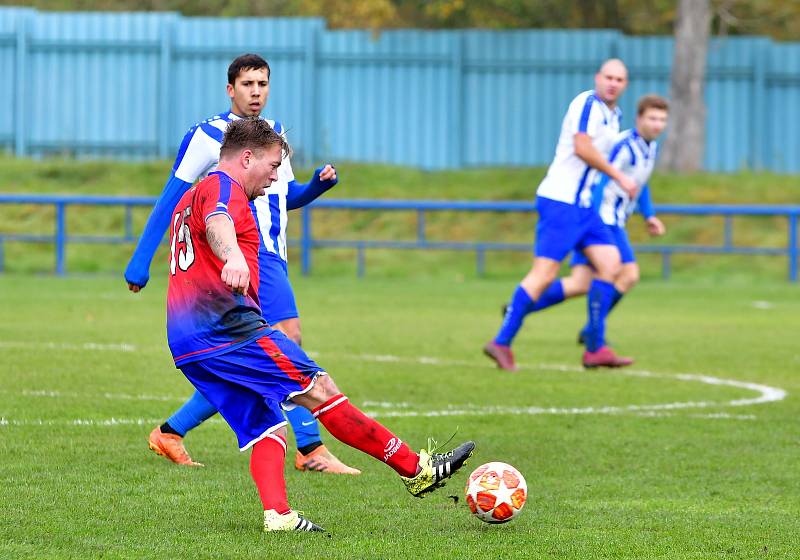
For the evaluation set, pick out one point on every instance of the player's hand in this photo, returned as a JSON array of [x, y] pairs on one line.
[[328, 173], [135, 288], [236, 274], [656, 227], [628, 185]]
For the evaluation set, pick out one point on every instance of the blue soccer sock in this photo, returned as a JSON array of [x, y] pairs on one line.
[[194, 412], [601, 293], [305, 426], [614, 301], [553, 295], [521, 304]]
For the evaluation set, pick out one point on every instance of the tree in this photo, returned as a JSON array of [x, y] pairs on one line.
[[683, 149]]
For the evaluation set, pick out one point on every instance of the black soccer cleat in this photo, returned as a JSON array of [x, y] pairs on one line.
[[436, 468]]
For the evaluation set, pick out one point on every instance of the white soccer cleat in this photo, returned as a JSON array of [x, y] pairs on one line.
[[292, 521]]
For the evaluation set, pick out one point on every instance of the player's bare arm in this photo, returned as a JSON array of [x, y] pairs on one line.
[[585, 150], [221, 237]]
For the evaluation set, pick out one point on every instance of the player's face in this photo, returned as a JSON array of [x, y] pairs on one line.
[[249, 92], [651, 123], [263, 171], [610, 82]]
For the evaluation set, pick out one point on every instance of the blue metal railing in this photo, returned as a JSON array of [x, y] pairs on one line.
[[307, 242]]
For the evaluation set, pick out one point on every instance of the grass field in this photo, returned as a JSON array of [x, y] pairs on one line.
[[638, 464]]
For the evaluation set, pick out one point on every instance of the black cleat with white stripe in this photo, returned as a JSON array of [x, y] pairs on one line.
[[436, 468], [304, 524]]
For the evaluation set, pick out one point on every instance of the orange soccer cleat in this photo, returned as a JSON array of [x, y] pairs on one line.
[[171, 447], [322, 460]]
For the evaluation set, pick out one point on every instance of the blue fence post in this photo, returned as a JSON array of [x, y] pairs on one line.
[[61, 237], [666, 265], [361, 261], [165, 89], [128, 222], [311, 126], [759, 121], [456, 117], [793, 247], [421, 226], [22, 79], [305, 242], [728, 231]]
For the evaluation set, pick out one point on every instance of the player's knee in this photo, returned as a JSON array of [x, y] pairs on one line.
[[323, 390], [281, 432], [628, 278]]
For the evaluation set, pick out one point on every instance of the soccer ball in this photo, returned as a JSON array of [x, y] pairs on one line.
[[496, 492]]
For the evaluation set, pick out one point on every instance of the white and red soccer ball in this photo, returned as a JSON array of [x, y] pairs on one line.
[[496, 492]]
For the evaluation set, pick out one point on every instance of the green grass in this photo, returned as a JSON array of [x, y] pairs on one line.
[[387, 182], [718, 482]]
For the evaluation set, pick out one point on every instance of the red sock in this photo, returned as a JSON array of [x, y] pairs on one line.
[[351, 426], [266, 467]]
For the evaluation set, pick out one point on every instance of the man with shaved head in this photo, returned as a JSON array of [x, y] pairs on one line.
[[568, 222]]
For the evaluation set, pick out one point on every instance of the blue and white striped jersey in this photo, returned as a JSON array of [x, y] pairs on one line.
[[569, 178], [199, 155], [636, 158]]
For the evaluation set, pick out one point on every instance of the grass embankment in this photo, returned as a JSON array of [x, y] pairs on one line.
[[387, 182]]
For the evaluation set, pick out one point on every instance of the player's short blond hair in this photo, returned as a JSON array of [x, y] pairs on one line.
[[251, 133]]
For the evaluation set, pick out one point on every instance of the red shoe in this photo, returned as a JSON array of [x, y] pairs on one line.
[[604, 357], [501, 355]]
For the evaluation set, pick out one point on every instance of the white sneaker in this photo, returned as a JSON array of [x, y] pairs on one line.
[[292, 521]]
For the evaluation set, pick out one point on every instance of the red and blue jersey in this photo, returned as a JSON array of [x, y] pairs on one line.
[[204, 318]]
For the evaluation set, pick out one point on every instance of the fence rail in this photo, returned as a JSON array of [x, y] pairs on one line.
[[307, 243]]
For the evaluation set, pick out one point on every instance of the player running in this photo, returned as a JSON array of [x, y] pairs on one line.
[[568, 222], [634, 154], [248, 88], [223, 345]]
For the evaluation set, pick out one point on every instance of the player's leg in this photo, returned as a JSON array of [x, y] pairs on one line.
[[258, 424], [555, 238], [167, 439], [421, 473], [606, 261], [280, 310], [627, 277], [298, 380]]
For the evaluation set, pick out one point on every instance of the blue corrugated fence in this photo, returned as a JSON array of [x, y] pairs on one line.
[[128, 85]]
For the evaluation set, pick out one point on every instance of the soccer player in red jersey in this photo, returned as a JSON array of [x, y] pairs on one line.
[[221, 343]]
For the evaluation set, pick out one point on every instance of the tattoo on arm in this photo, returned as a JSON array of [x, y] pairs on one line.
[[217, 242]]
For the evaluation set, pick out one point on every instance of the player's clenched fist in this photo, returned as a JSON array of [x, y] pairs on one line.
[[235, 274], [328, 173]]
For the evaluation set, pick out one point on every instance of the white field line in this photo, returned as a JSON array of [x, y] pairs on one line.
[[68, 346], [384, 409]]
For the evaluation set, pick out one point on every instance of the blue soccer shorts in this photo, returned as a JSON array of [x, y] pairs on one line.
[[566, 227], [620, 240], [251, 383], [274, 290]]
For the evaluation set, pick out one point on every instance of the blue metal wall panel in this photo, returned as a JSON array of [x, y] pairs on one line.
[[386, 98], [129, 85], [783, 119], [517, 87]]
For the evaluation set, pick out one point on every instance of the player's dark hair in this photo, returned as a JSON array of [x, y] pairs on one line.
[[246, 62], [651, 101], [251, 133]]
